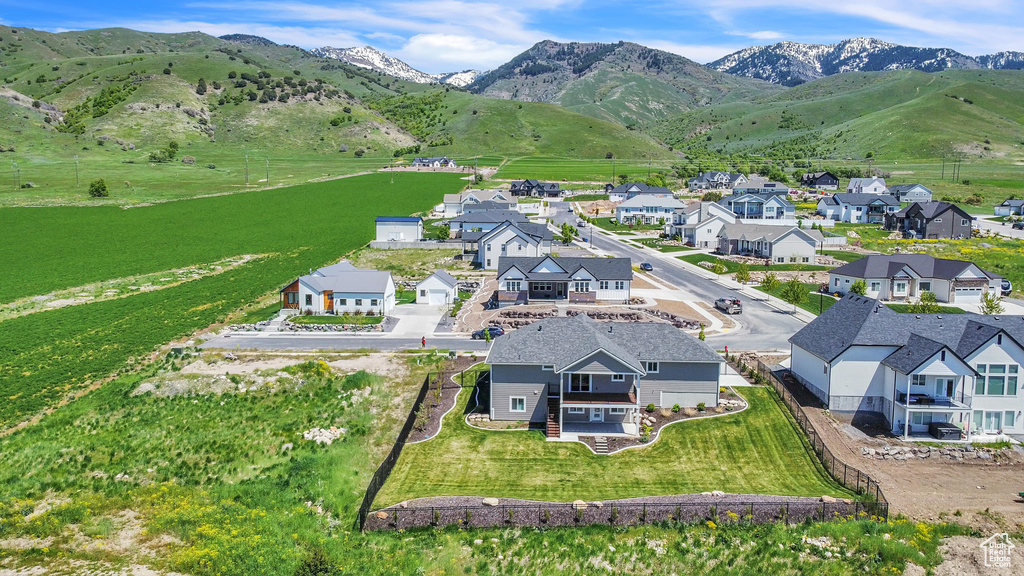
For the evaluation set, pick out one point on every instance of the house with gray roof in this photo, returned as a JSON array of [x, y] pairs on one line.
[[584, 377], [779, 244], [761, 187], [767, 206], [820, 180], [911, 193], [554, 278], [630, 189], [947, 376], [931, 220], [872, 185], [434, 162], [341, 289], [508, 239], [903, 277], [858, 208], [699, 223], [1010, 207], [484, 221], [714, 179], [647, 209], [538, 188]]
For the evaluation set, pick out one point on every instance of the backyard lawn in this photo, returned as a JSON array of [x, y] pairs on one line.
[[658, 245], [327, 319], [756, 451]]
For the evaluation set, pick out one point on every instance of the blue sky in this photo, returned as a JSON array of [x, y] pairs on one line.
[[447, 35]]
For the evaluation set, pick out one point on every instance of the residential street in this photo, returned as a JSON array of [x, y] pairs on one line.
[[762, 326], [985, 223]]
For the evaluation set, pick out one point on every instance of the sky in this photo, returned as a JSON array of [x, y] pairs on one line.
[[451, 35]]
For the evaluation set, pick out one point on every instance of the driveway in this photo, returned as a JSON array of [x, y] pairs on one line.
[[415, 320]]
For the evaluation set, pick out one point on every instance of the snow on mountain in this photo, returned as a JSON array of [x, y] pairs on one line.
[[373, 59], [792, 63], [1003, 61]]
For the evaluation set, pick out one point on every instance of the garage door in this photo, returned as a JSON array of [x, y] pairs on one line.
[[686, 399], [437, 298], [967, 295]]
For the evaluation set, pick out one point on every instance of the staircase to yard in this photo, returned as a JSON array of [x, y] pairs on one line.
[[552, 425]]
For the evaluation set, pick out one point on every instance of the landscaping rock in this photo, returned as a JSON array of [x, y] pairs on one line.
[[478, 542], [828, 499], [490, 502], [579, 505], [717, 493], [286, 447], [598, 504], [382, 515]]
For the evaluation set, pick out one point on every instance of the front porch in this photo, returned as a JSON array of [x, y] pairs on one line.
[[571, 431]]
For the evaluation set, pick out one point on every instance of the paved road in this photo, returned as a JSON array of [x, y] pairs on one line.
[[1004, 229], [335, 342], [762, 327]]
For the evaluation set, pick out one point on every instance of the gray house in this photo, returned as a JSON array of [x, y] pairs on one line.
[[1010, 207], [931, 220], [524, 280], [911, 193], [581, 377]]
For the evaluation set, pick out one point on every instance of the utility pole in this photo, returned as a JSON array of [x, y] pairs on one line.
[[76, 170], [246, 169], [613, 170], [268, 170], [391, 170], [943, 177], [14, 174], [649, 160]]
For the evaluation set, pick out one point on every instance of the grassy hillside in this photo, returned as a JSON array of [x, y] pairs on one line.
[[623, 82], [895, 115]]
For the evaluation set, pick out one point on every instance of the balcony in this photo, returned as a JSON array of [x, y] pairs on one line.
[[924, 402], [595, 398]]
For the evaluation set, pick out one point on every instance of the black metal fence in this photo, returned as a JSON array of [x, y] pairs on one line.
[[849, 476], [380, 476], [615, 514]]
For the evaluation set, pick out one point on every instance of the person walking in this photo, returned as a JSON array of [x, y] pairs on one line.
[[423, 342]]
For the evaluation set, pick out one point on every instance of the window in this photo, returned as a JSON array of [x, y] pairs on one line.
[[579, 383], [964, 222], [292, 297], [344, 301], [806, 259], [620, 285], [623, 411], [309, 299], [942, 356], [548, 367], [920, 418], [503, 247], [939, 220], [780, 259], [918, 380], [901, 287], [876, 286], [577, 410], [513, 286], [837, 282], [926, 286], [488, 262], [541, 286], [488, 246], [1008, 419], [582, 286], [517, 404], [602, 285], [792, 258], [996, 380], [359, 301], [618, 377], [651, 367], [423, 293]]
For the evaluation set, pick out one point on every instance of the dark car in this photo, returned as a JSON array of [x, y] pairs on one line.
[[1006, 287], [646, 267], [494, 330], [1018, 226]]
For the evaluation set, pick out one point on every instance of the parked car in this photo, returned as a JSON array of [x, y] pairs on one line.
[[1018, 226], [494, 330], [729, 305], [646, 267], [1005, 287], [581, 224]]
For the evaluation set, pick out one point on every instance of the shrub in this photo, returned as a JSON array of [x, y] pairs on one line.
[[651, 407], [676, 408], [167, 70], [98, 188], [701, 407]]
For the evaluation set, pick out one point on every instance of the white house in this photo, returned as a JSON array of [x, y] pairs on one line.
[[399, 228], [510, 239], [455, 204], [761, 207], [776, 243], [757, 185], [699, 223], [630, 189], [438, 289], [1010, 206], [873, 185], [573, 280], [647, 209], [858, 208], [902, 277], [941, 375], [341, 289], [910, 193], [434, 162]]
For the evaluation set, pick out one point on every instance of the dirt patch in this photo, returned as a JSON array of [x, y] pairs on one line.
[[602, 207], [639, 283], [727, 322], [963, 556]]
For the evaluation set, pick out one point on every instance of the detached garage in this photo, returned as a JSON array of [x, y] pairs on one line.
[[438, 289], [399, 229]]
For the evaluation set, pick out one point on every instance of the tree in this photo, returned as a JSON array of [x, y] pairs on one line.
[[712, 196], [98, 189], [743, 273], [568, 233], [770, 282], [444, 232], [926, 304], [623, 178], [794, 292], [991, 304], [859, 287], [201, 87], [701, 335]]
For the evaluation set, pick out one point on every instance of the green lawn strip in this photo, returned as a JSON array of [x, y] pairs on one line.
[[753, 451], [656, 243], [843, 255], [328, 319], [906, 309], [260, 314], [814, 302], [732, 266], [611, 225], [586, 198]]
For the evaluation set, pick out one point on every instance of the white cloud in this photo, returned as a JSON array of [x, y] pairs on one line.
[[763, 35], [436, 53]]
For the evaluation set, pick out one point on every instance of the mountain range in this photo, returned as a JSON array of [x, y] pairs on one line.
[[373, 59], [793, 63]]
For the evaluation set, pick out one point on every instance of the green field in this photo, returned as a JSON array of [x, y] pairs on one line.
[[52, 354], [731, 267], [756, 451], [595, 169], [814, 301]]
